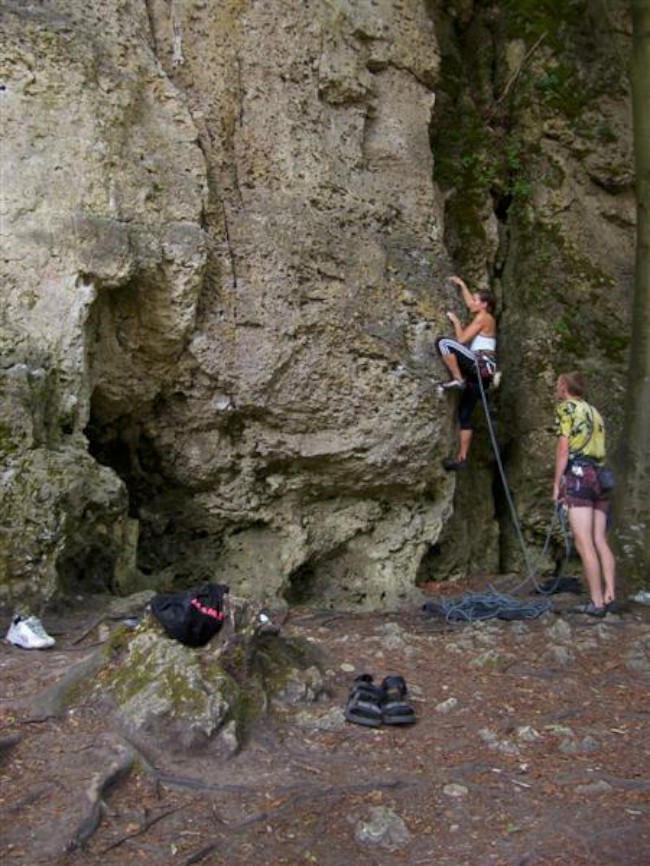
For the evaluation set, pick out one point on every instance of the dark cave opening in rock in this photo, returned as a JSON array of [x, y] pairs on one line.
[[176, 543], [429, 565], [87, 569], [122, 445], [501, 205], [300, 589]]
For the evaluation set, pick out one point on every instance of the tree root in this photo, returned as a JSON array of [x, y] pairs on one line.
[[144, 827], [118, 769], [316, 793]]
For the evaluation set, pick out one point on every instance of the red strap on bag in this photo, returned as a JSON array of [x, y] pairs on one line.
[[208, 611]]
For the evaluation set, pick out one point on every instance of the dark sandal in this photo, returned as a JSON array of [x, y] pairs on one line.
[[364, 703], [590, 609], [395, 709]]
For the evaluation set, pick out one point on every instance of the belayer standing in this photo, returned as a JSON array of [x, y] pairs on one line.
[[579, 454], [472, 352]]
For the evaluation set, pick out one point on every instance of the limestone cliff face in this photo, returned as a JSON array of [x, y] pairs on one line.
[[225, 252], [226, 249], [103, 259]]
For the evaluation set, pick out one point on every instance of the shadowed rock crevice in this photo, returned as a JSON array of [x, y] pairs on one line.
[[530, 100]]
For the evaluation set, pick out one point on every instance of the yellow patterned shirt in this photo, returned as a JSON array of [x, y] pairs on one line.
[[583, 426]]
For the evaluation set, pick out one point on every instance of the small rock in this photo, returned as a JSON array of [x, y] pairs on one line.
[[560, 630], [528, 734], [587, 744], [559, 655], [447, 706], [333, 719], [599, 787], [560, 730], [455, 790], [301, 686], [489, 659], [384, 828], [487, 735], [637, 663], [228, 737], [393, 643]]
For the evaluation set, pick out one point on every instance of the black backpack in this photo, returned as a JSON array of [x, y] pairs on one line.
[[192, 617]]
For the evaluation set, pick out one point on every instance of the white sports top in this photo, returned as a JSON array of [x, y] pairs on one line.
[[483, 344]]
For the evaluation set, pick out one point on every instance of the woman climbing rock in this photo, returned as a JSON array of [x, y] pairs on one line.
[[472, 352]]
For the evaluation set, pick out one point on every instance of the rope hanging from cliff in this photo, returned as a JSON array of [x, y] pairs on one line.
[[473, 607], [531, 572]]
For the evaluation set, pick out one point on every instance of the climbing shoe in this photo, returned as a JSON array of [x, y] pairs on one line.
[[453, 385], [451, 465]]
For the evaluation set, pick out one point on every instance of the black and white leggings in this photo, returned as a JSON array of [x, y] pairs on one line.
[[467, 362], [466, 358]]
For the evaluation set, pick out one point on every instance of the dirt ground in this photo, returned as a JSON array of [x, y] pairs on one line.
[[531, 747]]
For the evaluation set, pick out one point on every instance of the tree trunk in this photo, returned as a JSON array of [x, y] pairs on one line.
[[633, 499]]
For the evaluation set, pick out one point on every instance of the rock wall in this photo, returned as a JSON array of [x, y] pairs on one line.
[[227, 240], [103, 263]]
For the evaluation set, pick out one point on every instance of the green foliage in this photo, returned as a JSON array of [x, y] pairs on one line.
[[7, 443], [463, 154], [613, 343], [598, 130], [532, 18], [522, 190], [562, 90], [562, 327], [571, 331]]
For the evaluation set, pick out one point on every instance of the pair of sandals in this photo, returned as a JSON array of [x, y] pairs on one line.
[[372, 705]]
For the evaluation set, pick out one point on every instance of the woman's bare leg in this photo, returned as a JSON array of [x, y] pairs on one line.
[[604, 551], [465, 442], [581, 521]]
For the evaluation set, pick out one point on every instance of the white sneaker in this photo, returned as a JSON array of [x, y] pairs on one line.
[[28, 633]]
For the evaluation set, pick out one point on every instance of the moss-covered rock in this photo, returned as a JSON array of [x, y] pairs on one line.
[[185, 698], [65, 523]]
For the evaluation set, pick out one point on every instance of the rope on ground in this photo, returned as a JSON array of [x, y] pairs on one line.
[[476, 606]]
